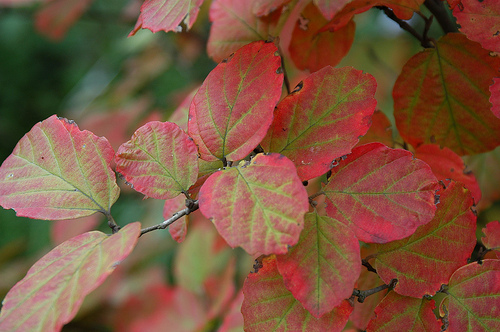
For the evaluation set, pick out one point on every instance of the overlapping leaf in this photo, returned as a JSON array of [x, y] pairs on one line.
[[334, 104], [495, 97], [330, 7], [380, 130], [269, 306], [265, 7], [54, 288], [402, 313], [233, 109], [167, 15], [313, 47], [442, 96], [62, 230], [491, 240], [321, 269], [259, 206], [383, 194], [244, 25], [480, 22], [474, 297], [160, 160], [178, 229], [57, 171], [446, 164], [442, 245]]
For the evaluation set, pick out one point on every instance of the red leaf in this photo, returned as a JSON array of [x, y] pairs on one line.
[[258, 205], [178, 229], [160, 160], [269, 306], [333, 103], [62, 230], [321, 269], [54, 288], [380, 130], [495, 96], [167, 15], [403, 313], [480, 22], [265, 7], [330, 7], [492, 236], [441, 96], [442, 245], [313, 47], [474, 297], [245, 27], [57, 171], [56, 16], [233, 108], [446, 164], [383, 194]]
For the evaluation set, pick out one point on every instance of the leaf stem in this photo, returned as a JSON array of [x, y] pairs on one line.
[[111, 222], [191, 206], [368, 266], [363, 294], [436, 7]]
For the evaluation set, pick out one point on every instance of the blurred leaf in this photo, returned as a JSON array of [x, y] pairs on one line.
[[62, 230], [380, 131], [491, 240], [265, 7], [178, 229]]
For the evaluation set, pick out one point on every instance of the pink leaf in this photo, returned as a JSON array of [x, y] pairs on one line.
[[160, 160], [54, 288], [62, 230], [57, 171], [265, 7], [178, 229]]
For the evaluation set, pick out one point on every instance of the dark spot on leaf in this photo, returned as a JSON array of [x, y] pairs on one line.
[[433, 139], [298, 87], [43, 158], [436, 199], [279, 70], [452, 170], [496, 33], [228, 58], [258, 264], [460, 6], [284, 129], [305, 183]]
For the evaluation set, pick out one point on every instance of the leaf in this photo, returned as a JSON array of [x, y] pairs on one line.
[[160, 160], [265, 7], [380, 130], [495, 96], [259, 206], [178, 229], [334, 104], [181, 113], [269, 306], [474, 297], [442, 245], [480, 22], [441, 96], [56, 16], [321, 269], [55, 286], [245, 27], [491, 240], [57, 171], [314, 47], [330, 7], [62, 230], [403, 313], [233, 321], [167, 15], [383, 194], [446, 164], [233, 109]]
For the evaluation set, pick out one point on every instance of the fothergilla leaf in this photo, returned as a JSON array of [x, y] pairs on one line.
[[233, 109], [259, 206], [57, 171], [474, 297], [269, 306], [335, 104], [160, 160], [55, 287], [491, 240], [443, 244], [383, 194], [495, 97], [321, 269]]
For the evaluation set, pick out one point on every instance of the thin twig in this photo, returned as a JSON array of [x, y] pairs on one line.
[[111, 222], [363, 294], [368, 266], [191, 207], [436, 7]]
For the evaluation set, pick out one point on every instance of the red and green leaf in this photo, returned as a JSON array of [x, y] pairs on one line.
[[480, 22], [314, 47], [269, 306], [321, 269], [491, 240], [259, 205], [402, 313], [233, 109], [54, 288], [244, 25], [442, 96], [495, 97], [57, 171], [167, 15], [442, 245], [334, 104], [446, 164], [160, 160], [383, 194], [474, 297]]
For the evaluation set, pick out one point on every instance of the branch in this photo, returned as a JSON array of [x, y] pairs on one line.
[[368, 266], [191, 206], [405, 26], [363, 294], [437, 9]]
